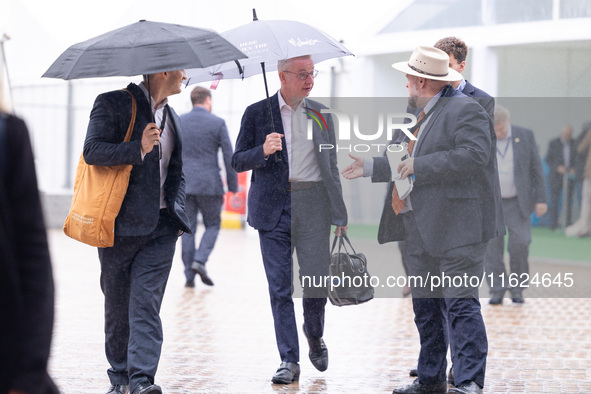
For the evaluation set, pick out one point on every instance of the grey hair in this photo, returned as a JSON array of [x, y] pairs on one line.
[[283, 63], [502, 114]]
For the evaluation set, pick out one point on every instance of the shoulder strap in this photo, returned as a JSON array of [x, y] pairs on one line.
[[132, 120]]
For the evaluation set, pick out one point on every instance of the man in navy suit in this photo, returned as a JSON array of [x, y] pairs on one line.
[[457, 50], [295, 196], [446, 220], [204, 135], [134, 271], [523, 191]]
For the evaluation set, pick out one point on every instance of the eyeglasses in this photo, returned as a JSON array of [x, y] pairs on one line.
[[304, 75]]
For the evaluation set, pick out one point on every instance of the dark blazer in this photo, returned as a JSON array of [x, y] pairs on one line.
[[555, 158], [454, 195], [269, 180], [203, 136], [103, 146], [26, 280], [484, 99], [527, 170]]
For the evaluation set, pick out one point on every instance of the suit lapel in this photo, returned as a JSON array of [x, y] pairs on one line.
[[517, 144], [430, 123], [277, 125]]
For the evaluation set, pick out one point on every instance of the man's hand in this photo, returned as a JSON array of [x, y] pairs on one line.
[[541, 209], [272, 144], [340, 230], [355, 169], [561, 169], [406, 168], [150, 138]]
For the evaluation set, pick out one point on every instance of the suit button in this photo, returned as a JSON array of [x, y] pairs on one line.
[[156, 160]]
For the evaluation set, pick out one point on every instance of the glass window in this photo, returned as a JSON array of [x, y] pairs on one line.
[[575, 9]]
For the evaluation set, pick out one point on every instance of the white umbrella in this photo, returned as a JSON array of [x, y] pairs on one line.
[[266, 42]]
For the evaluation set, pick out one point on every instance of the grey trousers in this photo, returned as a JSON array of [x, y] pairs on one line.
[[519, 230]]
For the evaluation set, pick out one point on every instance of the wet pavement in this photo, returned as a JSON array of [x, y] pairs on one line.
[[220, 339]]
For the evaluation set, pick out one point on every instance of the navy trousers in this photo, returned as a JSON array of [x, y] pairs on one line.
[[211, 209], [304, 226], [134, 273], [447, 312]]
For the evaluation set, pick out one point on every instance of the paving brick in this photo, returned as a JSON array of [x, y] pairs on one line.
[[220, 339]]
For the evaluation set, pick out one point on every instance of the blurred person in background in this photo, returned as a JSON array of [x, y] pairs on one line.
[[26, 279], [560, 159], [204, 134], [582, 226]]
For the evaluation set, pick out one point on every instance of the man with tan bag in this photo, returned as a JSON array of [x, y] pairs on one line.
[[134, 271]]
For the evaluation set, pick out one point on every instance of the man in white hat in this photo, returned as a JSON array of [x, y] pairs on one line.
[[446, 220]]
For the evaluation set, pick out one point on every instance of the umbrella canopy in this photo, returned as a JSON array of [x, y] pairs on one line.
[[142, 48], [266, 42]]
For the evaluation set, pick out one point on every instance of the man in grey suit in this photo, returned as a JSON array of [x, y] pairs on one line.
[[295, 196], [446, 220], [523, 190], [205, 134]]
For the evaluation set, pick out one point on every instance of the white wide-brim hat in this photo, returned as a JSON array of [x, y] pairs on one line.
[[430, 63]]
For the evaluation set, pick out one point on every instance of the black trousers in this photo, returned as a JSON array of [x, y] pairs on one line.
[[134, 273], [447, 311]]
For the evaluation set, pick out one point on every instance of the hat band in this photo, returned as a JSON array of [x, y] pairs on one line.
[[426, 73]]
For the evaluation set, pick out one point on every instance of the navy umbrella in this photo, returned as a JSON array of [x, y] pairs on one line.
[[143, 48]]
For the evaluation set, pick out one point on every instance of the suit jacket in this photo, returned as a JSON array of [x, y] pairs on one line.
[[527, 170], [484, 99], [269, 180], [26, 280], [453, 198], [555, 158], [104, 146], [203, 136], [487, 102]]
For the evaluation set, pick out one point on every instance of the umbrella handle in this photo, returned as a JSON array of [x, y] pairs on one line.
[[277, 155]]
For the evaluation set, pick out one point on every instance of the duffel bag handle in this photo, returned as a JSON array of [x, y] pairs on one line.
[[342, 238]]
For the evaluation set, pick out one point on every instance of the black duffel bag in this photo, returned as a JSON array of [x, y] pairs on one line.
[[349, 280]]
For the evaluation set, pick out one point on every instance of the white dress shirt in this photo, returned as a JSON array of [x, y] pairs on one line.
[[167, 140]]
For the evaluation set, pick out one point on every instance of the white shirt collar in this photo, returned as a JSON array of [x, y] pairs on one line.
[[282, 102], [151, 100]]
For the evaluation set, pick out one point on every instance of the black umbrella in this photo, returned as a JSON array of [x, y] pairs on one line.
[[143, 48]]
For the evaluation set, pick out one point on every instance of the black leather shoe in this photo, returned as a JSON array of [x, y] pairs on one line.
[[496, 301], [118, 389], [466, 388], [287, 373], [413, 373], [417, 388], [190, 283], [318, 352], [199, 269], [518, 300], [147, 388]]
